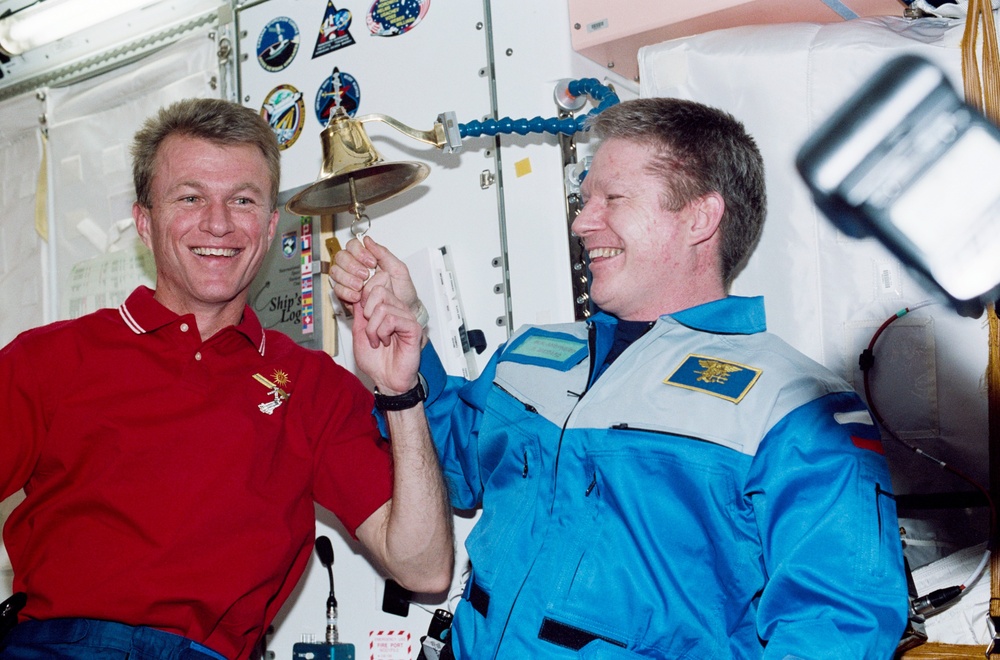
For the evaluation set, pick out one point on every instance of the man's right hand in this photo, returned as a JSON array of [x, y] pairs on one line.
[[351, 274]]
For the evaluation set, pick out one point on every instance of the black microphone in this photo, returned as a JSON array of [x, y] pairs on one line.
[[324, 550]]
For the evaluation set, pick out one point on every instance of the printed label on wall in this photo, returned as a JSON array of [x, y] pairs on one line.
[[389, 645]]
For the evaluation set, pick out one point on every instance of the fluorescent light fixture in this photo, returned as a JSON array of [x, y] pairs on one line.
[[51, 20]]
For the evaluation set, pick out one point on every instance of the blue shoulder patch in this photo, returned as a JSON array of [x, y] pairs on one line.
[[727, 380], [555, 350]]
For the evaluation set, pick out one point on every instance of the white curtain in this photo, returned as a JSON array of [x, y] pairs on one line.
[[91, 125], [22, 290]]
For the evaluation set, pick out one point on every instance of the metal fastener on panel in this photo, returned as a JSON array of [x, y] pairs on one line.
[[486, 179]]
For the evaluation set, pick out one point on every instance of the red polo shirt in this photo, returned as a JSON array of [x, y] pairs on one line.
[[159, 490]]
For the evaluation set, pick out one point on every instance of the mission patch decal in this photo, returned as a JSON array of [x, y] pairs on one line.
[[278, 43]]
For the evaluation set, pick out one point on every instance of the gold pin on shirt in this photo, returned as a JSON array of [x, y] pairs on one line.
[[279, 395]]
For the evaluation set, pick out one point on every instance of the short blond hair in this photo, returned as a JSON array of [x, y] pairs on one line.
[[700, 150], [219, 121]]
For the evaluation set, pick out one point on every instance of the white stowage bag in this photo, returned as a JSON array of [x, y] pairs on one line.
[[826, 293]]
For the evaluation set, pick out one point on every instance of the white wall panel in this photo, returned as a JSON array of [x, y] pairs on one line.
[[533, 52]]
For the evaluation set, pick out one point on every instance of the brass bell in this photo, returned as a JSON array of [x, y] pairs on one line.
[[353, 172]]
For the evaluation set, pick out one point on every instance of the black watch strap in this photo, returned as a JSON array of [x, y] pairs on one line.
[[404, 401]]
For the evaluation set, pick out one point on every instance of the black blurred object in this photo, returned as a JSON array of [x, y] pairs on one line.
[[440, 625], [8, 612], [915, 633], [436, 644], [477, 340], [907, 161], [324, 550], [396, 598], [260, 651]]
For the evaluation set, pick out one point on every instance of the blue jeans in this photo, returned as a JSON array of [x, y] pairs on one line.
[[89, 639]]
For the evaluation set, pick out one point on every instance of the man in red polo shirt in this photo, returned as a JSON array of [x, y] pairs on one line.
[[171, 450]]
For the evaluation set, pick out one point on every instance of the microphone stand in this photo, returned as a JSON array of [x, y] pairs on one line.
[[332, 649]]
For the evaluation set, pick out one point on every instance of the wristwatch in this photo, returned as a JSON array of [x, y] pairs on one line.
[[404, 401]]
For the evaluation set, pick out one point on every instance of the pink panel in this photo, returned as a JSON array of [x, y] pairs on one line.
[[611, 33]]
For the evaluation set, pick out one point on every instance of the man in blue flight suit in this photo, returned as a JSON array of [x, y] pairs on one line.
[[667, 479]]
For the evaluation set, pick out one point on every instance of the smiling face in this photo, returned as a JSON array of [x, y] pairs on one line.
[[645, 260], [209, 225]]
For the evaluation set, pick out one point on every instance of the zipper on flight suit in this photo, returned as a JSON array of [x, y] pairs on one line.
[[591, 349], [591, 342]]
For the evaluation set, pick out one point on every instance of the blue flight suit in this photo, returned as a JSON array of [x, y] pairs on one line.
[[713, 494]]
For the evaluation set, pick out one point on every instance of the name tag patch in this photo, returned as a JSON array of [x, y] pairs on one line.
[[555, 350], [727, 380]]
